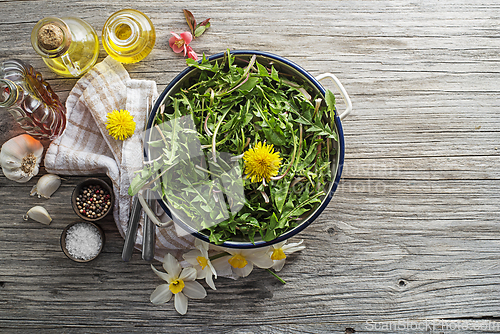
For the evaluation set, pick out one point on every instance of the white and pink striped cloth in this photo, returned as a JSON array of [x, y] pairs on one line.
[[86, 148]]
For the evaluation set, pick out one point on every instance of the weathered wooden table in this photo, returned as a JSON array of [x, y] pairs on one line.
[[412, 234]]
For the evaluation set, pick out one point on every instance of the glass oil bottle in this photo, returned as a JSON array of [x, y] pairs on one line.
[[69, 46], [31, 100], [128, 36]]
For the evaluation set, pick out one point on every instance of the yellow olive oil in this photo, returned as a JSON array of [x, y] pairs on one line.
[[78, 50], [128, 36]]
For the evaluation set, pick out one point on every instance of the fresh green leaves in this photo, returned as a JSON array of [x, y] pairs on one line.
[[200, 28], [316, 125], [233, 104], [330, 100]]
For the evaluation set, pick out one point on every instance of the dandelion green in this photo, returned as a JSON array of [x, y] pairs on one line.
[[202, 132]]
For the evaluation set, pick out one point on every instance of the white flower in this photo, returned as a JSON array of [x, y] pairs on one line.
[[199, 259], [242, 261], [181, 283], [279, 251]]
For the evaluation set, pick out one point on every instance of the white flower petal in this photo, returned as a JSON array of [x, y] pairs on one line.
[[201, 244], [171, 265], [293, 247], [204, 253], [260, 258], [232, 251], [245, 271], [188, 274], [198, 243], [254, 252], [161, 295], [194, 290], [261, 262], [181, 303], [200, 273], [210, 281], [162, 275], [191, 256], [212, 268], [279, 245], [221, 266], [278, 264]]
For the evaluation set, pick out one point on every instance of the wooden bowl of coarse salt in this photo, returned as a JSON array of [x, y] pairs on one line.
[[82, 241]]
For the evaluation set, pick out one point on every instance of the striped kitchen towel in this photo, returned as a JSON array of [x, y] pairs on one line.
[[86, 148]]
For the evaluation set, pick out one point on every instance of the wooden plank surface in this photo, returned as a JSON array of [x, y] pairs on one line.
[[411, 234]]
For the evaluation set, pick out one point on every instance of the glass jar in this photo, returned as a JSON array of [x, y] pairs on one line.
[[69, 46], [128, 36], [31, 100]]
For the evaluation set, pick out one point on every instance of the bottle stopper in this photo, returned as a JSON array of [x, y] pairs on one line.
[[50, 36]]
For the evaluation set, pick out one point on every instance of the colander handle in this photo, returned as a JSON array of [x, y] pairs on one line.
[[343, 93]]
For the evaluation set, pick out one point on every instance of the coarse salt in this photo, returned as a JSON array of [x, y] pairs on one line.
[[83, 241]]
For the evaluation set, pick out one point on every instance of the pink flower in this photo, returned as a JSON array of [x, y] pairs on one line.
[[181, 43], [191, 53]]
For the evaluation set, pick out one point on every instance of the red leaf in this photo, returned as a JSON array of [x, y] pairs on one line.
[[190, 20], [204, 23]]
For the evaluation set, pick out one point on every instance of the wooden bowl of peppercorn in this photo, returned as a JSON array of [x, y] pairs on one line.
[[92, 199]]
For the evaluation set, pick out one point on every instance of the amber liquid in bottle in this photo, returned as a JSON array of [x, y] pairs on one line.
[[31, 100]]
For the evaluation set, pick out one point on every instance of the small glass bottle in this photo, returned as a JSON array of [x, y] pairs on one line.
[[69, 46], [31, 100], [128, 36]]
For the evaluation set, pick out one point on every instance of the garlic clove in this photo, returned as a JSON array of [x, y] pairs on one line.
[[20, 158], [46, 186], [33, 191], [38, 213]]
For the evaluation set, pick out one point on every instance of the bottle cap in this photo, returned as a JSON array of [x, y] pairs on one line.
[[50, 36]]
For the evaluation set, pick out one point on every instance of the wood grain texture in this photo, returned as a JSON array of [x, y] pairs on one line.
[[412, 232]]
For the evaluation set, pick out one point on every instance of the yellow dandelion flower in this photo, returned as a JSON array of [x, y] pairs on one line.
[[120, 124], [261, 162]]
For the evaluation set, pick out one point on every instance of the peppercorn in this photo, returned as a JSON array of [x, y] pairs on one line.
[[93, 201]]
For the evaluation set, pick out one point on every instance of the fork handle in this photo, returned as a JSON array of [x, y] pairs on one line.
[[148, 241], [133, 224]]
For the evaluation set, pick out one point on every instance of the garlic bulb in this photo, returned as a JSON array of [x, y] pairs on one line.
[[20, 157], [46, 186], [38, 213]]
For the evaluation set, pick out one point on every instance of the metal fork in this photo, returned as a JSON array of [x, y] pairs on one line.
[[148, 244]]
